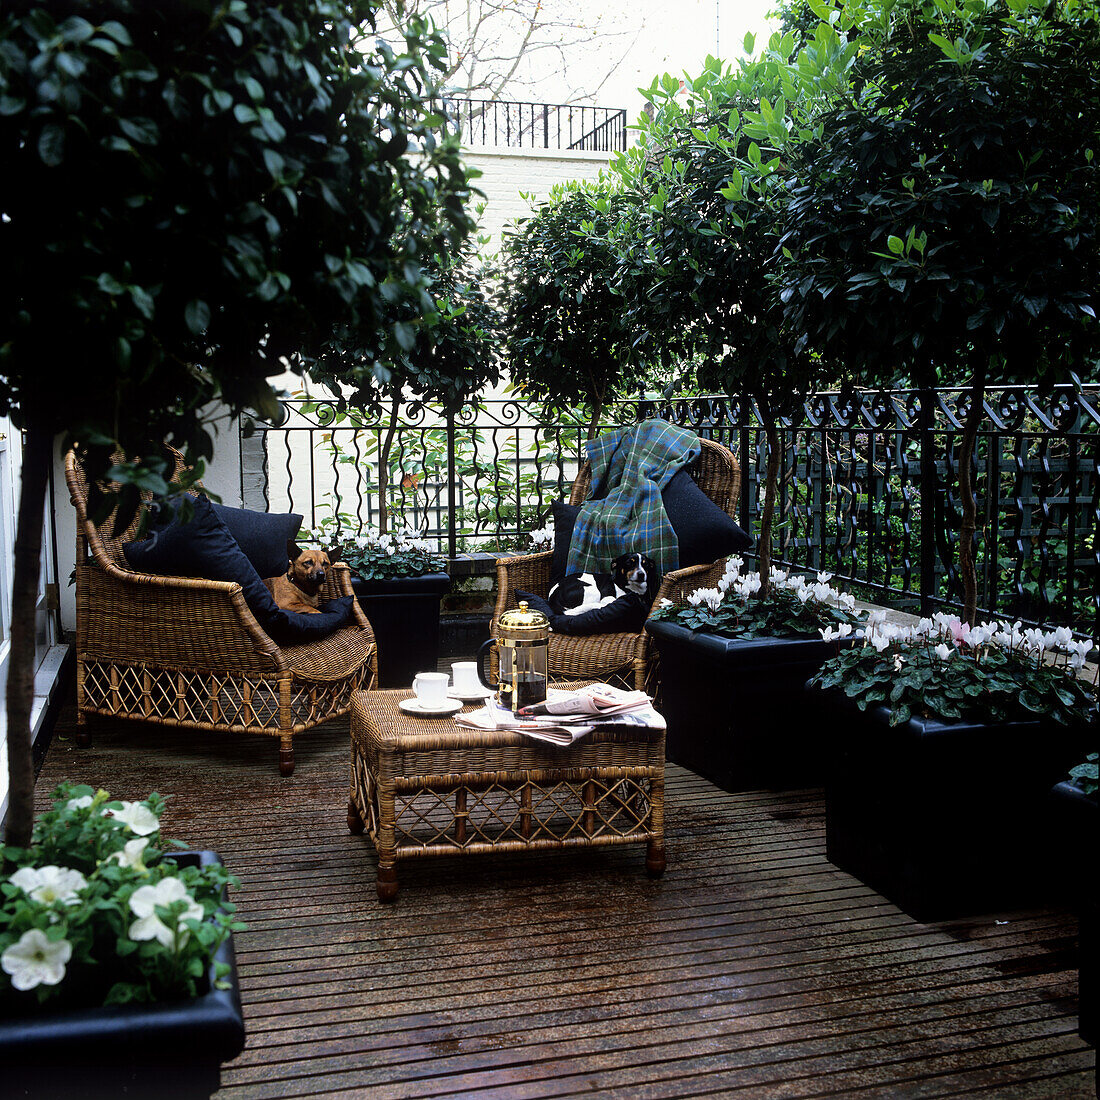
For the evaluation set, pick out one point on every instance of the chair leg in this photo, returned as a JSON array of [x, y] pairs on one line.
[[356, 825], [286, 754], [83, 736]]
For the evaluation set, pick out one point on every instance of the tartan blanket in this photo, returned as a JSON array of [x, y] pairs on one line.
[[629, 470]]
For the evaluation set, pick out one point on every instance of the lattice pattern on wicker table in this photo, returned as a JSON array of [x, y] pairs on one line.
[[423, 787]]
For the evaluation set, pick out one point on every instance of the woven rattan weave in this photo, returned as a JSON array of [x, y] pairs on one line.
[[626, 659], [186, 652], [427, 787]]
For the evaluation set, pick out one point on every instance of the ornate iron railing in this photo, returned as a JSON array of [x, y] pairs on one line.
[[868, 486], [538, 125]]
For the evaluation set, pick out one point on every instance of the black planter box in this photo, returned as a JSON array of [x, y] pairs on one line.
[[737, 710], [171, 1049], [1072, 845], [404, 613], [944, 820]]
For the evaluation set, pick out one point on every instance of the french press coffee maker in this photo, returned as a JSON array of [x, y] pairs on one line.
[[523, 642]]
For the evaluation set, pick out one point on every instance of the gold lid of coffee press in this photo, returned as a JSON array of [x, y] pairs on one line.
[[523, 624]]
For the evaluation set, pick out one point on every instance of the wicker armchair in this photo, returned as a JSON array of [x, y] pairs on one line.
[[184, 652], [627, 659]]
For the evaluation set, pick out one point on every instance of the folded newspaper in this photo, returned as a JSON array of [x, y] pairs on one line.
[[567, 716]]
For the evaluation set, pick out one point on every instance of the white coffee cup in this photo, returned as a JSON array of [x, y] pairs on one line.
[[430, 689], [466, 680]]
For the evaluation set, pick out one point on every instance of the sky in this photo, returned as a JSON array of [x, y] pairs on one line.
[[661, 36]]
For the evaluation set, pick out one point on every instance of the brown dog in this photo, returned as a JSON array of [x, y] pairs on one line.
[[300, 589]]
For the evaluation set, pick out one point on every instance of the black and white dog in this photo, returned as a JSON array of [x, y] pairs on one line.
[[580, 592]]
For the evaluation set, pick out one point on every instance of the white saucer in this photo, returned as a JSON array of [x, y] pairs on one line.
[[471, 697], [414, 706]]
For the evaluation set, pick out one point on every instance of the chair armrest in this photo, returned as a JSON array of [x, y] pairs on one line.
[[680, 583], [531, 572], [179, 622], [338, 583]]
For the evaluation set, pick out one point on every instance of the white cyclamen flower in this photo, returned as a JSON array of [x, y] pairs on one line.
[[880, 642], [824, 578], [36, 960], [144, 902], [137, 817], [81, 803], [944, 652], [132, 854], [828, 634], [50, 884], [876, 618]]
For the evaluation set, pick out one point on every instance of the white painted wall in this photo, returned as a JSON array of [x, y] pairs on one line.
[[508, 173]]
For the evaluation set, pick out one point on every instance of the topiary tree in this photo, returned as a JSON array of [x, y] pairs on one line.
[[698, 262], [945, 224], [569, 339], [194, 192]]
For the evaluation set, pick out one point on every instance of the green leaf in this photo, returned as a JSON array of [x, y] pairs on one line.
[[197, 315], [51, 145], [895, 244]]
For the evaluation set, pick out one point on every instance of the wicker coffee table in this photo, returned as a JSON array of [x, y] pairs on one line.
[[429, 787]]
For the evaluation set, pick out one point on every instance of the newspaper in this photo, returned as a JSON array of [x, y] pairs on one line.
[[567, 716]]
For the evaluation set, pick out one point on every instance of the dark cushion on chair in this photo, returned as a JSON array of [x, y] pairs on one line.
[[205, 548], [262, 536], [565, 518], [626, 615], [705, 533]]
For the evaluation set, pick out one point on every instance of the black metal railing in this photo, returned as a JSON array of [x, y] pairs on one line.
[[868, 488], [538, 125]]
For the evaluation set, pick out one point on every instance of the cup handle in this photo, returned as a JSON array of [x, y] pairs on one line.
[[482, 653]]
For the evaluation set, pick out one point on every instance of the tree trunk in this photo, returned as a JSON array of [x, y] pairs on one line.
[[968, 573], [384, 466], [771, 479], [597, 412], [37, 454]]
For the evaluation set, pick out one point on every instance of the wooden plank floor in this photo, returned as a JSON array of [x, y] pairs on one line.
[[752, 969]]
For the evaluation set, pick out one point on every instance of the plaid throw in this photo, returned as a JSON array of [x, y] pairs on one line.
[[629, 469]]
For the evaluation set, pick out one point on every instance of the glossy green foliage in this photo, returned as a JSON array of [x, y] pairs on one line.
[[948, 215], [570, 339], [195, 194]]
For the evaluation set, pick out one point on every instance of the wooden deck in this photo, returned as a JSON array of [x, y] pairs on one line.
[[752, 969]]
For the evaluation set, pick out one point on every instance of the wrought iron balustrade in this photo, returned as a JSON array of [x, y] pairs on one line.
[[868, 489], [518, 125]]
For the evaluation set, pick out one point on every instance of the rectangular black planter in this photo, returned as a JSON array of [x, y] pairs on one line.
[[945, 820], [404, 613], [737, 710], [172, 1049]]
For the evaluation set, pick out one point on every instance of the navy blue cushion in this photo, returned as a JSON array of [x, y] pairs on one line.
[[565, 518], [205, 548], [705, 533], [262, 536], [627, 614]]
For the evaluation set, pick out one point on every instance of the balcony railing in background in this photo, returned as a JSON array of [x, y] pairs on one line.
[[538, 125], [868, 489]]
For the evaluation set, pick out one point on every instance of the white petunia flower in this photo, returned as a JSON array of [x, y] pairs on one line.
[[81, 803], [132, 854], [35, 960], [49, 884], [144, 902], [138, 818], [944, 652]]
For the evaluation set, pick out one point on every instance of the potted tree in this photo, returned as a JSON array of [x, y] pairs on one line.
[[941, 761], [698, 265], [117, 956], [183, 288]]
